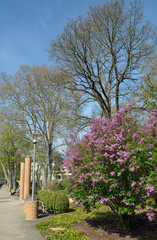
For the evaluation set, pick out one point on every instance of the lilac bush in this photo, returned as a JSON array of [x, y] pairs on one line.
[[113, 164]]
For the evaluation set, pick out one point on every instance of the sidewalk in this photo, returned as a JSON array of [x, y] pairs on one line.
[[13, 225]]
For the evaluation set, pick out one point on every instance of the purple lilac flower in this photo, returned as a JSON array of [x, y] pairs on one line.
[[149, 189], [124, 202], [141, 141], [149, 208], [113, 197], [133, 184], [120, 161], [106, 154], [138, 149], [112, 173], [134, 163], [134, 137], [132, 169], [104, 199], [132, 204], [150, 216]]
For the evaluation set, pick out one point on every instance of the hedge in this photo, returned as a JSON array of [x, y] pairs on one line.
[[57, 202]]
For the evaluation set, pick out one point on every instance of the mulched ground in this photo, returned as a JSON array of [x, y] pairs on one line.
[[106, 229]]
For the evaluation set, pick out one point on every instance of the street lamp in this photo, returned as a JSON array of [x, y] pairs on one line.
[[33, 177]]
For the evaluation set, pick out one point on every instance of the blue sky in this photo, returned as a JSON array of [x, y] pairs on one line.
[[28, 26]]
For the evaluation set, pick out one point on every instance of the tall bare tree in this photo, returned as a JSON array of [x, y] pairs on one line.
[[45, 106], [105, 51]]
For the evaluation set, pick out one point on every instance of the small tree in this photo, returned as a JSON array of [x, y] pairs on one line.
[[113, 163], [13, 147], [149, 88]]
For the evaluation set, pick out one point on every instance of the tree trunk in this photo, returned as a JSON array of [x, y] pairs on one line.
[[44, 176], [14, 178], [49, 177], [127, 220], [117, 96], [7, 177], [49, 163]]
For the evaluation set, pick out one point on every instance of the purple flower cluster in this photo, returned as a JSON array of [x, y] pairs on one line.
[[150, 213], [113, 162], [149, 189]]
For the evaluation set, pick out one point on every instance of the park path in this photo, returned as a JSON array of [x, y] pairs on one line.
[[13, 225]]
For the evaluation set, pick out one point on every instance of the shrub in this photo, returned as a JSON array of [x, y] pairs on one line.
[[58, 202], [49, 200], [114, 164], [42, 195], [61, 203]]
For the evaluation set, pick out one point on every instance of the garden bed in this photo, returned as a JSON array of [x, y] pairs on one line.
[[105, 229], [97, 225]]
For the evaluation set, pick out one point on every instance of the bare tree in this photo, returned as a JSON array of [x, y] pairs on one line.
[[105, 50], [45, 106]]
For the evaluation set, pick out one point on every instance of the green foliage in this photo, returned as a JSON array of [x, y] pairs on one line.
[[58, 202], [149, 87], [114, 164], [43, 227], [48, 198], [62, 188], [51, 200], [153, 181], [61, 203], [63, 184], [42, 195], [1, 172], [65, 192], [70, 234], [65, 221], [13, 143], [36, 190], [149, 90], [13, 146]]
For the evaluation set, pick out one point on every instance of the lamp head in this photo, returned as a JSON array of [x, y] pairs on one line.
[[34, 141]]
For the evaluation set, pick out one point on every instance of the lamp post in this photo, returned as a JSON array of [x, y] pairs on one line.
[[33, 177]]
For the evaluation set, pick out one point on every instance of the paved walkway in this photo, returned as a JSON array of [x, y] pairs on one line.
[[13, 225]]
